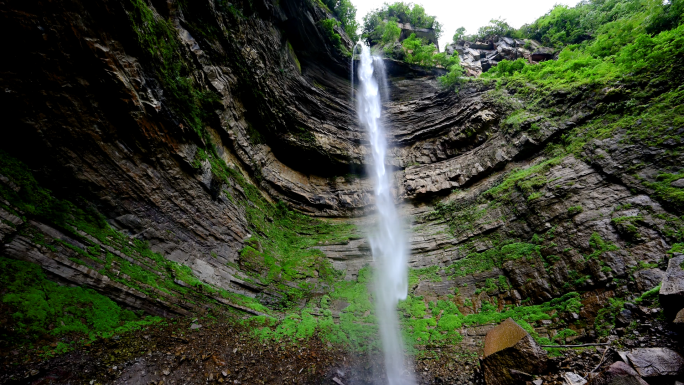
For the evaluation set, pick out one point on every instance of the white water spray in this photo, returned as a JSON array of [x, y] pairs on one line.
[[389, 242]]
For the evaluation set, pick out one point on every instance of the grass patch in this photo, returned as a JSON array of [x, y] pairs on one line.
[[43, 311]]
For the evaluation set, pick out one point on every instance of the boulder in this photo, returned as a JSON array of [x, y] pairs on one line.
[[573, 379], [678, 183], [655, 362], [542, 54], [508, 41], [648, 279], [482, 45], [625, 317], [618, 374], [475, 54], [679, 319], [510, 350], [672, 289], [486, 65]]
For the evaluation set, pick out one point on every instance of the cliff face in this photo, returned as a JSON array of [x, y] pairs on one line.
[[183, 123], [97, 115]]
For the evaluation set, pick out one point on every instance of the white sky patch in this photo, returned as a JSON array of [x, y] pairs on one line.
[[472, 14]]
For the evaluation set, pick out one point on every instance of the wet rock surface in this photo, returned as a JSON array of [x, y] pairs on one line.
[[655, 362], [672, 289], [90, 117]]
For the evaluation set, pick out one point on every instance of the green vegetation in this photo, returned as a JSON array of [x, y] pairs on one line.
[[329, 28], [663, 189], [677, 248], [604, 40], [626, 226], [496, 27], [381, 28], [564, 25], [282, 247], [43, 311], [507, 250], [626, 50], [526, 179], [582, 64], [438, 322], [426, 55], [356, 329], [135, 265], [648, 295], [345, 12], [605, 319], [454, 75], [159, 42], [460, 217], [599, 246], [430, 274], [376, 22], [281, 250], [434, 323], [574, 210]]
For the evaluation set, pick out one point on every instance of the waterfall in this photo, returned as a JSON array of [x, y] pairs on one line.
[[388, 242]]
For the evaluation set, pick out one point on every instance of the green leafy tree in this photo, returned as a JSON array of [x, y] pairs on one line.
[[665, 16], [419, 53], [496, 27], [391, 32], [345, 12], [459, 35], [329, 27], [375, 22]]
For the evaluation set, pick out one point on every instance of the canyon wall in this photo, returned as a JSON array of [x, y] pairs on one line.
[[183, 124]]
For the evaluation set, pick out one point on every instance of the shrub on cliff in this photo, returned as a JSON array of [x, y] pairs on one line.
[[376, 22], [345, 12]]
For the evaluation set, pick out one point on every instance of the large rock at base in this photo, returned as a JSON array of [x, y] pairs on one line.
[[672, 289], [648, 279], [509, 350], [655, 362], [618, 374], [679, 321]]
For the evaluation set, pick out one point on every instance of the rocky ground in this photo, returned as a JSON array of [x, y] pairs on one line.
[[211, 350]]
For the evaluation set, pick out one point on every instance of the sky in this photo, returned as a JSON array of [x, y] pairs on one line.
[[471, 14]]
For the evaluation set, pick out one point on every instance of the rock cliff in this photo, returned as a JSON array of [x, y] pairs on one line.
[[214, 147]]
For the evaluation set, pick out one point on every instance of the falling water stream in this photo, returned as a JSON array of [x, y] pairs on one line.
[[388, 241]]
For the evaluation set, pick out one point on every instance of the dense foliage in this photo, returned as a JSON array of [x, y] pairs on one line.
[[44, 310], [377, 22], [381, 28], [345, 12], [620, 47], [417, 52], [591, 18]]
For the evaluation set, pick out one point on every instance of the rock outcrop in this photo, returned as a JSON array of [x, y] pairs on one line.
[[618, 373], [672, 289], [479, 56], [655, 363], [260, 111], [511, 354]]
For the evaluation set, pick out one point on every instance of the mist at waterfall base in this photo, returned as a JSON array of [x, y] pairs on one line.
[[388, 241]]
